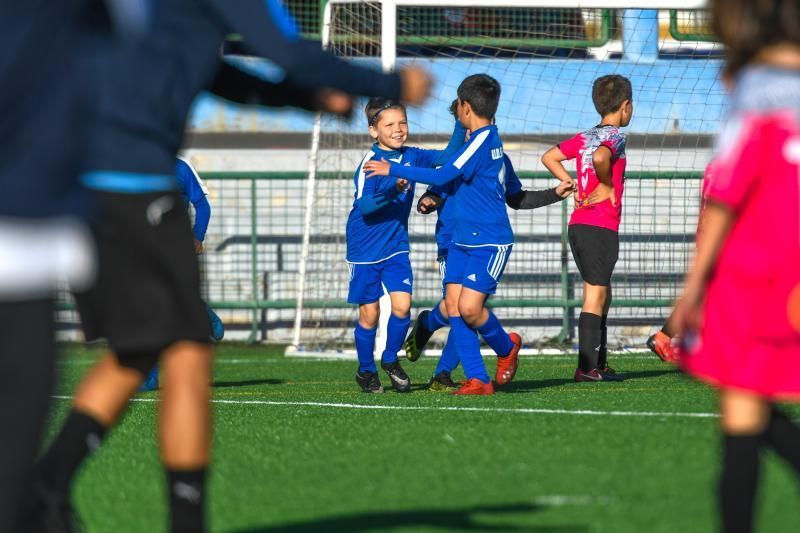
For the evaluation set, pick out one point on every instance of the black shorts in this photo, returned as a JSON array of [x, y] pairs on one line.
[[596, 251], [147, 292]]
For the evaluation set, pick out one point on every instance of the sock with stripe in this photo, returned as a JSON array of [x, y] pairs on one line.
[[396, 331], [365, 348], [187, 500], [495, 336], [602, 354]]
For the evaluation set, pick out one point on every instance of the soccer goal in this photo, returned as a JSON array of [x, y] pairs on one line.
[[545, 54]]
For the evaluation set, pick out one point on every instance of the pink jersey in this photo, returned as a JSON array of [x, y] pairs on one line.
[[581, 148], [750, 337]]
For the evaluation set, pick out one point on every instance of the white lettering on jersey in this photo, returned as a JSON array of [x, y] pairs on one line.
[[497, 153]]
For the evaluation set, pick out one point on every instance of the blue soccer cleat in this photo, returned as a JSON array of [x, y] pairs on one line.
[[151, 383], [217, 327]]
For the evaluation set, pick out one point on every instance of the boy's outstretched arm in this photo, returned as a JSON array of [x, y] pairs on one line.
[[270, 32], [537, 199], [237, 85], [552, 160], [431, 176]]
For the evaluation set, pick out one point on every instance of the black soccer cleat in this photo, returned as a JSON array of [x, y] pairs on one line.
[[400, 380], [369, 382], [417, 338], [595, 374], [442, 382]]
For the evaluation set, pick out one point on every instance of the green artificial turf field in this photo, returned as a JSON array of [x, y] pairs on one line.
[[298, 448]]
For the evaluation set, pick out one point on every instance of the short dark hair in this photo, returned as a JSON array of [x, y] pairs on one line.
[[482, 92], [454, 108], [745, 27], [376, 106], [608, 93]]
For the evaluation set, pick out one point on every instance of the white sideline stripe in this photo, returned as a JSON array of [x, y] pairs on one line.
[[347, 356], [521, 410]]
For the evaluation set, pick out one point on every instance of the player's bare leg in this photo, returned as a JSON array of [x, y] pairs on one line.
[[105, 391]]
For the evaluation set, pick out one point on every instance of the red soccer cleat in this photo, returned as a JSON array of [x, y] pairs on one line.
[[507, 365], [661, 345], [475, 387]]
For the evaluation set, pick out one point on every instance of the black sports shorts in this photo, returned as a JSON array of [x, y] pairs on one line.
[[596, 251], [147, 292]]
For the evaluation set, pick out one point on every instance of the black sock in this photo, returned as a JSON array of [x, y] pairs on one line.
[[80, 436], [602, 354], [186, 500], [589, 339], [738, 480], [783, 436]]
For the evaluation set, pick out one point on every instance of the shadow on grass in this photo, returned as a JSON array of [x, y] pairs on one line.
[[644, 374], [533, 384], [447, 519], [247, 383]]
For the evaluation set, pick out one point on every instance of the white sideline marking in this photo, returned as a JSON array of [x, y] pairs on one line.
[[347, 357], [520, 410]]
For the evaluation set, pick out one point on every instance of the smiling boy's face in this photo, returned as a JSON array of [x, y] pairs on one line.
[[391, 129]]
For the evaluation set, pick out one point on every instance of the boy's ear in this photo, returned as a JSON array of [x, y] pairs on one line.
[[373, 132]]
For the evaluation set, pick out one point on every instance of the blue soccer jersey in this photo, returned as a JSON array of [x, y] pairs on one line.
[[194, 192], [377, 227], [480, 201]]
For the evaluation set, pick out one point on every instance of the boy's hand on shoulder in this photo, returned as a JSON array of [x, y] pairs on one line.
[[565, 188], [376, 168], [601, 193]]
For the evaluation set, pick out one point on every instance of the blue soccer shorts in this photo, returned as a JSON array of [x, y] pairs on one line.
[[479, 268], [368, 280]]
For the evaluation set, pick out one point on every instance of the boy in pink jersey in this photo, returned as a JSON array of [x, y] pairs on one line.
[[742, 295], [594, 227]]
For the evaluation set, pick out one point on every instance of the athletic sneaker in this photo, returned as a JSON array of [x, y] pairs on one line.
[[369, 382], [596, 375], [417, 338], [442, 382], [217, 327], [507, 365], [661, 345], [474, 387], [613, 375], [151, 382], [51, 512], [400, 380]]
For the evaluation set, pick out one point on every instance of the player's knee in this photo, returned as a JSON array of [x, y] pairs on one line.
[[368, 316], [470, 311], [141, 361]]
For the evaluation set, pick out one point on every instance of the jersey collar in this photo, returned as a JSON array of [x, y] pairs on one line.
[[386, 154]]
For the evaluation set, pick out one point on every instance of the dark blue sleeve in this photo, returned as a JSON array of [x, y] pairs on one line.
[[431, 176], [456, 142], [202, 214], [264, 27], [236, 85], [512, 183]]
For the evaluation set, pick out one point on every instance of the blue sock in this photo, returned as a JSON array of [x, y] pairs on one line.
[[449, 359], [396, 331], [495, 336], [365, 348], [468, 347], [435, 319]]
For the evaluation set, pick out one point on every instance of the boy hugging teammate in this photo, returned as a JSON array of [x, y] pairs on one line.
[[594, 226], [377, 244], [483, 236]]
